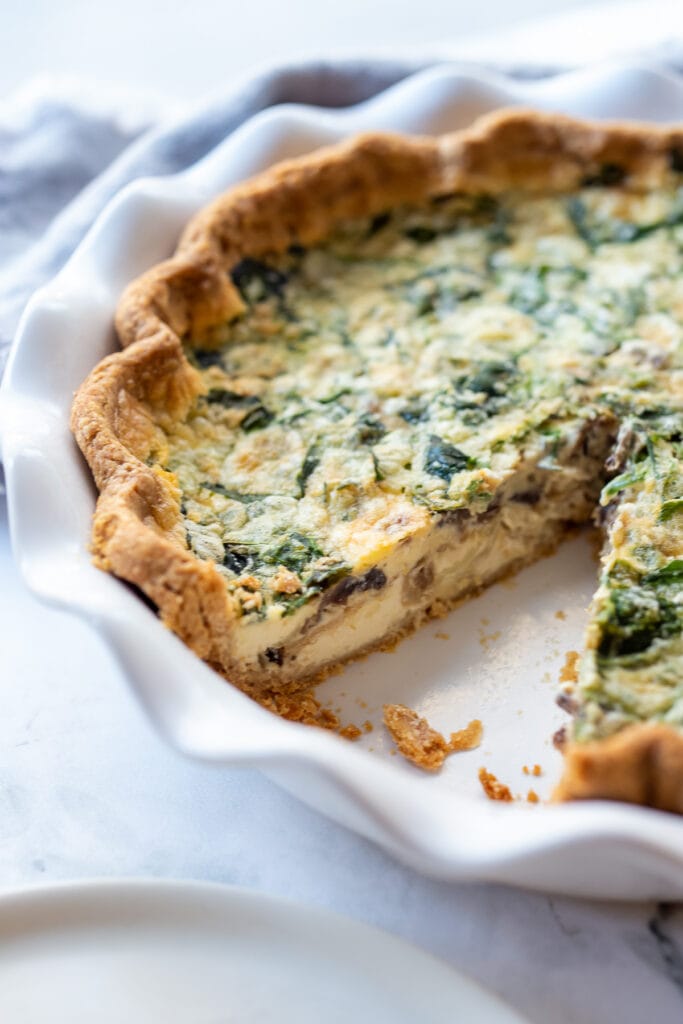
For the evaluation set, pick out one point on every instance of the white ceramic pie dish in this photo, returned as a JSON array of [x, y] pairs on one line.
[[496, 658]]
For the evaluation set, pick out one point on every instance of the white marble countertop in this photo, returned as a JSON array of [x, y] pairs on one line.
[[87, 789]]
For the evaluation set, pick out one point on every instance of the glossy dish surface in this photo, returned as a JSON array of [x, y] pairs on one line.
[[184, 952], [497, 658]]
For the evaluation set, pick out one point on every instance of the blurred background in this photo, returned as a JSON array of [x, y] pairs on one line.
[[177, 50]]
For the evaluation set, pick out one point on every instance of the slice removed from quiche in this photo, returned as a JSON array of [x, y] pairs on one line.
[[378, 378]]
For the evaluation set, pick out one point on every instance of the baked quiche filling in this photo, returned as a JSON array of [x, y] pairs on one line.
[[427, 400]]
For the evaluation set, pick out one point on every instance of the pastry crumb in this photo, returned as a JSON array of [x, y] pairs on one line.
[[368, 726], [350, 732], [416, 740], [468, 738], [286, 582], [560, 615], [442, 636], [486, 639], [536, 770], [494, 789], [423, 746], [302, 708], [532, 797], [569, 671]]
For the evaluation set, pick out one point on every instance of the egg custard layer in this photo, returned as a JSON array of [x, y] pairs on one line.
[[426, 402]]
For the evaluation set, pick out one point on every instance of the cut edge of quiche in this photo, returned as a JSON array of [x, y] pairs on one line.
[[409, 564]]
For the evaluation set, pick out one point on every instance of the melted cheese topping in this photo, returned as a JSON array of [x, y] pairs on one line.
[[406, 367]]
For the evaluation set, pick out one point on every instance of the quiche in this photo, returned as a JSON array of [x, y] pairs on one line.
[[373, 380]]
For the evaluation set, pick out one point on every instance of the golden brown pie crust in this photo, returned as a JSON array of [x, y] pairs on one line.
[[642, 764], [136, 531]]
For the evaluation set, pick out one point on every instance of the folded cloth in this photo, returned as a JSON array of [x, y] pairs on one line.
[[62, 162]]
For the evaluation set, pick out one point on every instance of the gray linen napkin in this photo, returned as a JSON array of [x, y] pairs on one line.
[[59, 169]]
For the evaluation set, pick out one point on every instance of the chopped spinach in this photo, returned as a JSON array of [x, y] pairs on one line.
[[321, 579], [670, 508], [597, 231], [315, 583], [650, 449], [230, 399], [421, 233], [433, 292], [493, 380], [529, 293], [257, 280], [633, 619], [640, 610], [335, 396], [424, 302], [498, 233], [627, 479], [484, 206], [444, 460], [308, 467], [377, 223], [609, 174], [218, 488], [237, 558], [295, 553], [623, 573], [676, 159], [258, 418], [370, 429], [206, 357], [670, 573], [490, 379], [415, 412]]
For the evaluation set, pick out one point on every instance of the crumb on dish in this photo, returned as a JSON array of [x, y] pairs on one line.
[[468, 738], [416, 740], [569, 671], [494, 789], [486, 639], [420, 744], [350, 732]]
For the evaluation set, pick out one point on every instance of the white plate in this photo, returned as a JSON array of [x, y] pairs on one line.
[[496, 658], [192, 953]]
